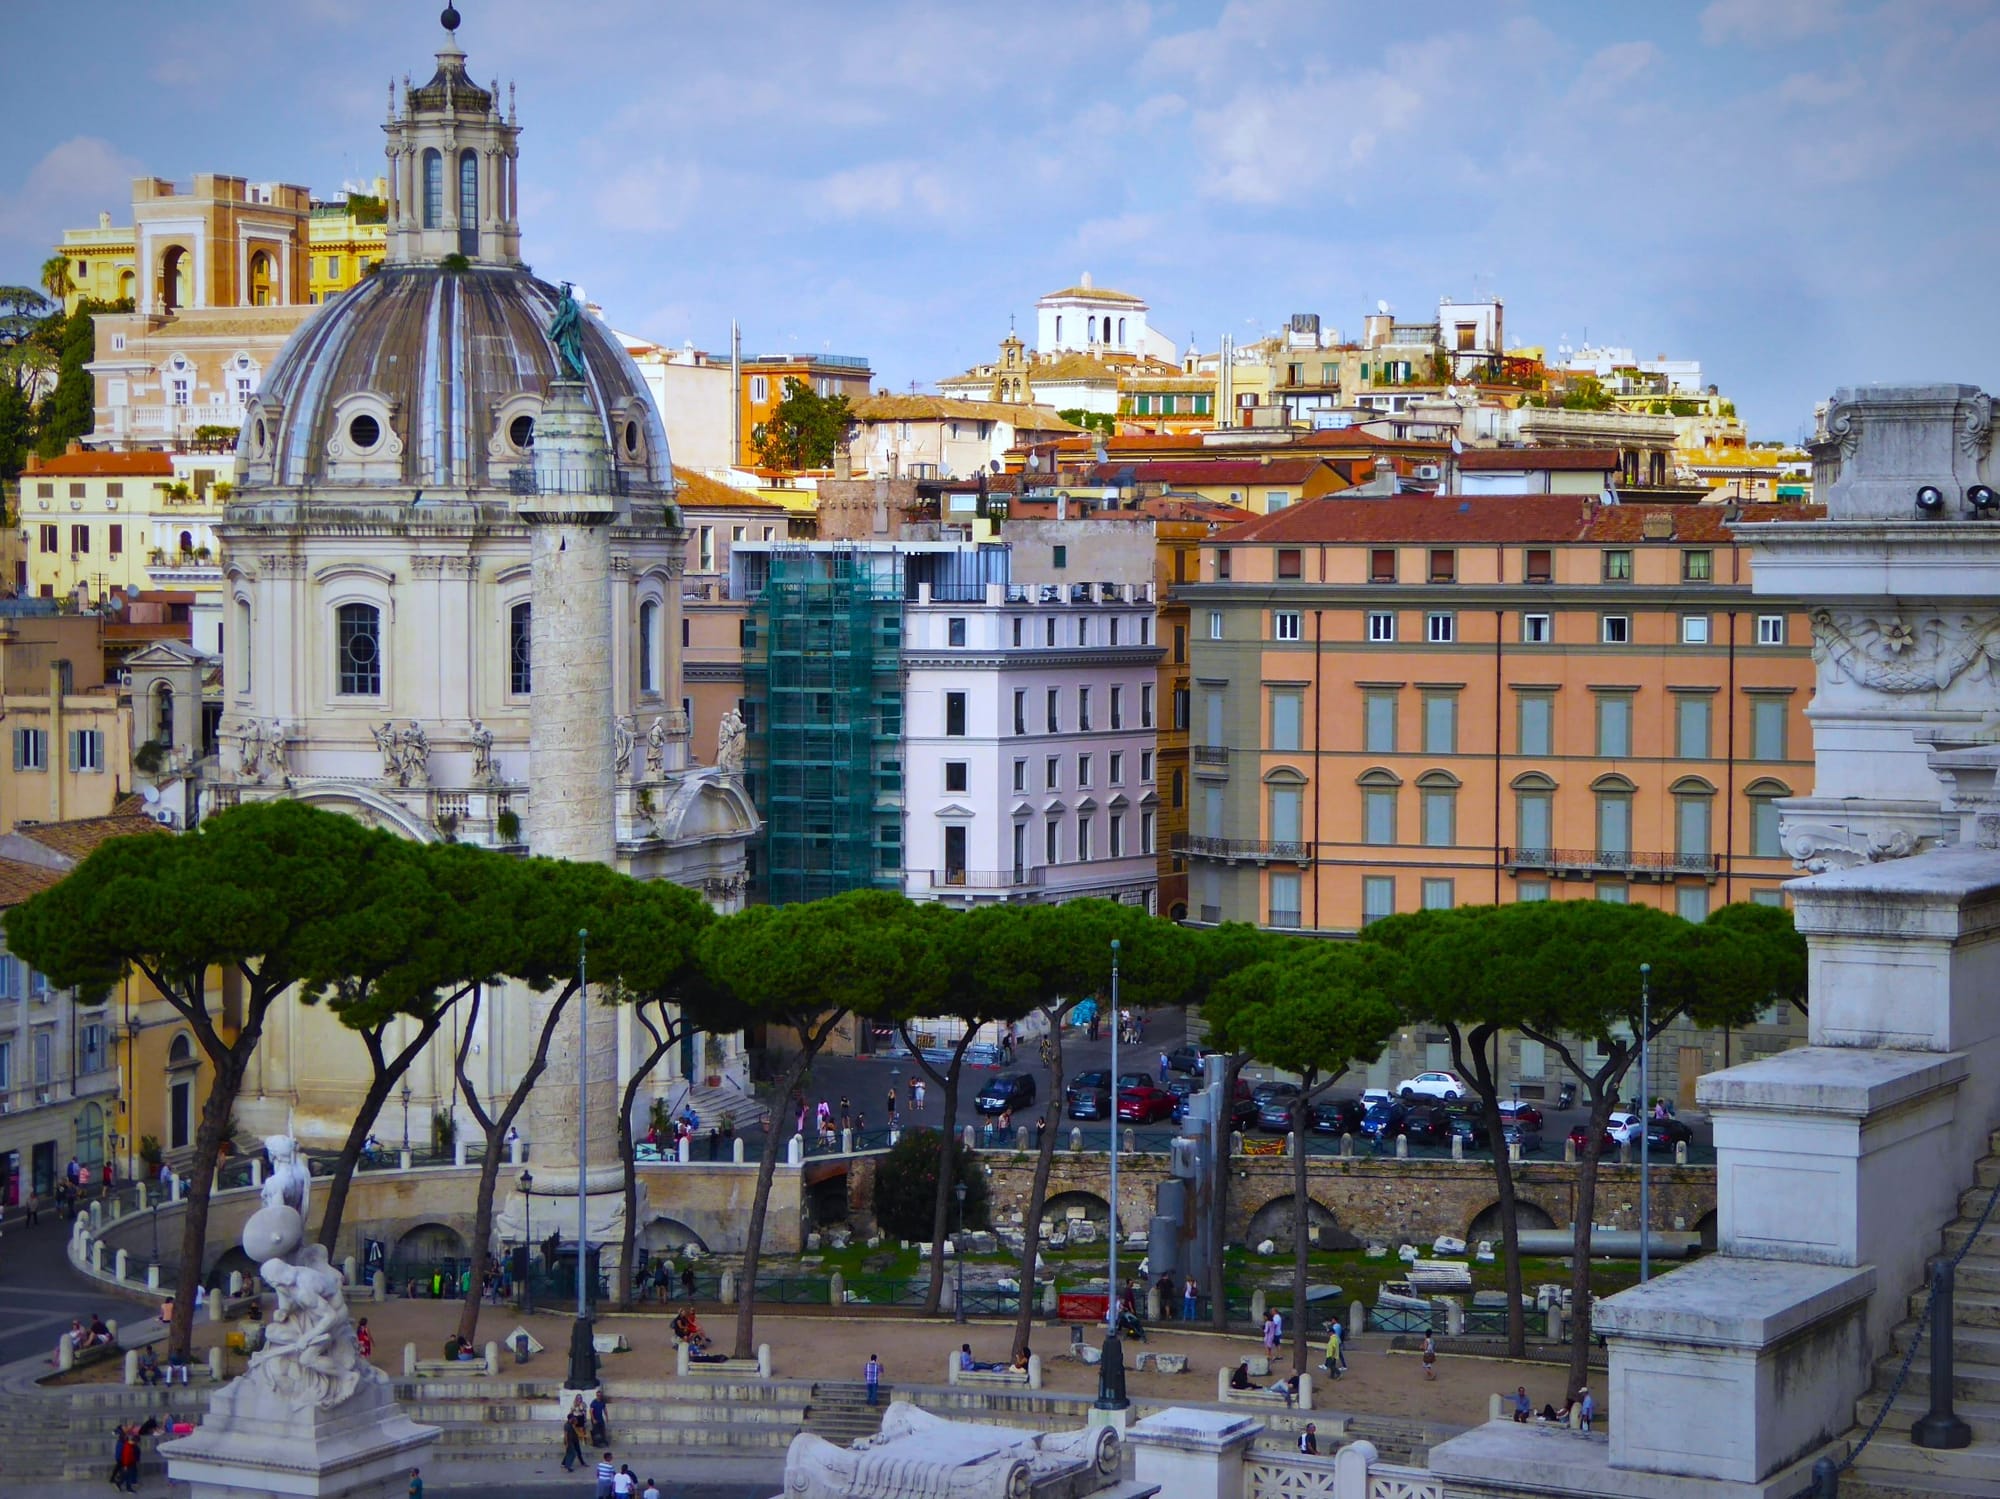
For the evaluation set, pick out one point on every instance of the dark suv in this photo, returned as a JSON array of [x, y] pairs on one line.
[[1010, 1090], [1338, 1116]]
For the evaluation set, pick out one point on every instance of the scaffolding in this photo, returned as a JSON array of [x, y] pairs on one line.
[[823, 685]]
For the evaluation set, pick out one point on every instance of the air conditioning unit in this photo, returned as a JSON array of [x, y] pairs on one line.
[[6, 1107], [1427, 471], [125, 677], [42, 1097]]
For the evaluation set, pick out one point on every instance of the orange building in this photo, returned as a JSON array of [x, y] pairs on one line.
[[762, 387]]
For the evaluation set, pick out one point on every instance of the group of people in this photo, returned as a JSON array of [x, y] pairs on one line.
[[97, 1335], [662, 1280], [971, 1365], [126, 1451], [1583, 1405], [591, 1423], [687, 1329]]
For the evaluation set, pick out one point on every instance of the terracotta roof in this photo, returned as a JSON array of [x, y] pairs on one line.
[[1476, 519], [80, 837], [1100, 293], [116, 465], [699, 492], [1545, 460], [1196, 471], [1192, 507], [18, 881], [921, 408]]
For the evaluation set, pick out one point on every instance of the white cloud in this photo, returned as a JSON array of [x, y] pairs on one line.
[[890, 189], [1767, 22], [652, 196], [67, 188]]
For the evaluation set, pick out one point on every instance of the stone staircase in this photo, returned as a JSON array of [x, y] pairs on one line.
[[1892, 1466], [745, 1110], [651, 1420], [840, 1412]]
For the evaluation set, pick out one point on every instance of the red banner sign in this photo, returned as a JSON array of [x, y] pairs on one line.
[[1079, 1306]]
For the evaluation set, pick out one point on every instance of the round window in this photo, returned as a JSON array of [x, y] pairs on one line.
[[364, 431], [521, 432], [260, 432], [632, 438]]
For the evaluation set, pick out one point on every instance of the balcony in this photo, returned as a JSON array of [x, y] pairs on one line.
[[1024, 878], [1242, 850], [1634, 864], [1209, 754]]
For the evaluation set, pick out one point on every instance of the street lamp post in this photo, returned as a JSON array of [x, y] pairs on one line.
[[895, 1092], [582, 1348], [1111, 1371], [1645, 1143], [527, 1242], [406, 1118], [155, 1215], [958, 1301]]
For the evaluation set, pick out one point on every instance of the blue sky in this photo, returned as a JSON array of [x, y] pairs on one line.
[[1800, 193]]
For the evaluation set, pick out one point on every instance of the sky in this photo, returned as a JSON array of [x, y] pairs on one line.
[[1793, 192]]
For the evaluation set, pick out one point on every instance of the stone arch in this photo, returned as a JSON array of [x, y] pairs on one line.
[[369, 808], [232, 1258], [429, 1241], [666, 1235], [173, 278], [1056, 1211], [1275, 1218], [1486, 1222]]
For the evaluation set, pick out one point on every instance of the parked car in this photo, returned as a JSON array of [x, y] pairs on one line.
[[1384, 1120], [1275, 1112], [1520, 1109], [1135, 1080], [1665, 1134], [1579, 1136], [1467, 1126], [1143, 1103], [1187, 1059], [1338, 1116], [1372, 1096], [1428, 1126], [1625, 1126], [1088, 1095], [1432, 1085], [1520, 1132], [1010, 1090], [1274, 1088]]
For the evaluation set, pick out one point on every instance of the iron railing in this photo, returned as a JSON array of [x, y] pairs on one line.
[[1619, 860]]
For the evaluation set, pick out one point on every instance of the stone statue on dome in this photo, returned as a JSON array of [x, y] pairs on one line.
[[566, 333], [729, 742], [656, 748]]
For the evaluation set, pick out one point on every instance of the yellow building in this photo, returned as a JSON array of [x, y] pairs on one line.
[[68, 732], [347, 238]]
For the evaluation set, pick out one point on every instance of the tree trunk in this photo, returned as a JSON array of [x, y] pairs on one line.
[[229, 1069], [379, 1088], [947, 1083], [661, 1046], [767, 1168], [1301, 1224], [482, 1235], [1031, 1227], [1586, 1208], [1218, 1197], [1480, 1071]]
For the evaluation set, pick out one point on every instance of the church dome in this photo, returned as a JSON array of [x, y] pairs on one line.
[[426, 376]]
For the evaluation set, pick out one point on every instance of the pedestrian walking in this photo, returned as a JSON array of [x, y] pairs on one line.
[[1271, 1334], [34, 1208], [1340, 1333], [624, 1482], [600, 1434], [917, 1094], [607, 1474], [891, 1105], [1164, 1068], [1333, 1365], [1190, 1300], [572, 1440], [1586, 1408], [873, 1375], [416, 1483], [1430, 1357]]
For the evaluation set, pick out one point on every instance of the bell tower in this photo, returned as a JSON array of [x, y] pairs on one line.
[[452, 166]]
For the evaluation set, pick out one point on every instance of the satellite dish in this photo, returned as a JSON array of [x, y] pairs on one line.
[[1382, 307], [150, 793]]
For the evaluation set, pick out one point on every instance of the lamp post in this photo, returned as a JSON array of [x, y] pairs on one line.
[[582, 1350], [1111, 1371], [895, 1092], [1645, 1143], [406, 1118], [527, 1242], [155, 1216], [958, 1301]]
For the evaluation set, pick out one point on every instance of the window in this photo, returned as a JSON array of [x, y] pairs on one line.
[[1222, 562], [1381, 627], [1083, 770], [1285, 625], [1287, 716], [746, 632], [1378, 717], [1284, 908], [31, 749], [44, 1059], [1183, 710], [1177, 789], [1534, 819], [51, 539], [1536, 713], [1539, 566], [1114, 629], [1691, 826], [116, 542], [1146, 705], [1440, 815], [1180, 643], [1020, 712], [1444, 565], [1615, 629], [1694, 629], [86, 749], [433, 190], [1083, 710], [1617, 567], [1770, 629], [79, 540], [1698, 567], [1083, 837], [1537, 629], [1757, 897], [91, 1053], [954, 630], [358, 643], [1052, 841], [1018, 624], [1049, 631], [1145, 766], [760, 388], [1612, 893], [1059, 557], [1286, 816], [1118, 770], [1767, 727], [1146, 832], [1382, 565], [1020, 775], [1215, 624], [1290, 560], [1691, 902], [6, 1065], [1440, 629], [1530, 890], [1614, 823], [957, 775], [1614, 724], [889, 846], [1378, 813], [1378, 897], [649, 625], [954, 715], [520, 650], [1440, 723], [1051, 773], [1114, 831], [1764, 841], [468, 202], [1437, 895], [1691, 724], [704, 549], [1117, 704]]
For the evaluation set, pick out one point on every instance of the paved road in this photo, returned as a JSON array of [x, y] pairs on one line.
[[40, 1293]]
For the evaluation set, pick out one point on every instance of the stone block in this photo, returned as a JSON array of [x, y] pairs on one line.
[[1260, 1365]]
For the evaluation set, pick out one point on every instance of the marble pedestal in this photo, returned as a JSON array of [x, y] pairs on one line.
[[253, 1444], [1193, 1454], [553, 1210]]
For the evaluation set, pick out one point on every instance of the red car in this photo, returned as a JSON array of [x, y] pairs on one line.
[[1144, 1104], [1579, 1136], [1512, 1109]]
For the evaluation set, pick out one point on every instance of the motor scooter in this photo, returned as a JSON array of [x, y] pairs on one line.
[[1566, 1096]]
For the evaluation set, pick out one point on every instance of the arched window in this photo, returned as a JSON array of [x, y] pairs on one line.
[[433, 189], [163, 713], [649, 622], [1379, 790], [1059, 327], [1438, 791], [181, 1052], [520, 647], [243, 644], [173, 279], [1121, 333], [468, 202], [187, 543], [1090, 331], [358, 650], [260, 279], [1763, 794]]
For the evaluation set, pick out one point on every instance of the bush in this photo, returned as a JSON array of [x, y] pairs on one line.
[[906, 1187]]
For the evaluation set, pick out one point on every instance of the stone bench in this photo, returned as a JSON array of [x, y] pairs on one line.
[[446, 1368], [727, 1368], [1029, 1378], [1271, 1396], [1501, 1408], [1162, 1363]]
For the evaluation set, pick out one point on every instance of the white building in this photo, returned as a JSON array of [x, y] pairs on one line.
[[695, 396], [1090, 319]]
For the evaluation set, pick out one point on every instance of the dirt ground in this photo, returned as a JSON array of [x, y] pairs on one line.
[[913, 1351]]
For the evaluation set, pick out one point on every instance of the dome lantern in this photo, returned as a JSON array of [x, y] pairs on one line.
[[453, 168]]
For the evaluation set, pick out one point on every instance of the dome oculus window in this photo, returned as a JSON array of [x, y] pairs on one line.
[[364, 432], [632, 438], [521, 432]]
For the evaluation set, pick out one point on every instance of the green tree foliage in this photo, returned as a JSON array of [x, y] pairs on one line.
[[17, 434], [22, 311], [1776, 941], [256, 891], [908, 1180], [56, 278], [1090, 421], [70, 410], [1585, 393], [803, 968], [804, 430]]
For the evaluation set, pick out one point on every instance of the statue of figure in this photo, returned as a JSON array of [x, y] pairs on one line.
[[275, 752], [309, 1357], [656, 749], [289, 1184], [566, 333], [253, 749], [385, 741], [482, 753], [729, 742], [413, 763], [624, 734]]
